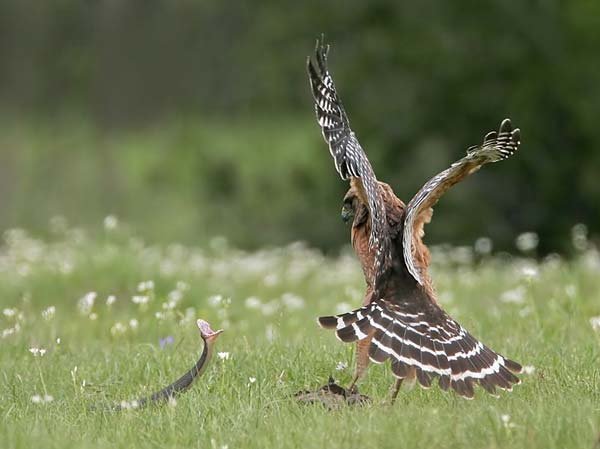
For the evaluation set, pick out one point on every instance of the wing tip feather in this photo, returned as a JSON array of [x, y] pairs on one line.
[[327, 322]]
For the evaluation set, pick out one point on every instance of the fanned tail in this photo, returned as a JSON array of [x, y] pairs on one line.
[[428, 348]]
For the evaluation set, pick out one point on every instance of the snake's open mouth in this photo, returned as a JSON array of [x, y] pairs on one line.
[[206, 331]]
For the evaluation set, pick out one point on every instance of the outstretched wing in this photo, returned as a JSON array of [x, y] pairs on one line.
[[350, 159], [496, 146]]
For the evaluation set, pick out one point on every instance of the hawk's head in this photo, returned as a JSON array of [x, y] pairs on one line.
[[353, 209], [348, 209]]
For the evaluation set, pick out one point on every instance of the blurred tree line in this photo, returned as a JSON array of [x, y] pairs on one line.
[[190, 119]]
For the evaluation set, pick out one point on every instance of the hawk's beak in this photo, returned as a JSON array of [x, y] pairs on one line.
[[347, 214]]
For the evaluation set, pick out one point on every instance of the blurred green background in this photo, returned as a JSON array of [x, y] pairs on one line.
[[190, 119]]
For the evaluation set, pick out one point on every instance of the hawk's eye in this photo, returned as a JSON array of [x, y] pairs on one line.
[[347, 211]]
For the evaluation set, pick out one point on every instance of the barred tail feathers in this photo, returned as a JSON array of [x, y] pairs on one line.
[[444, 350]]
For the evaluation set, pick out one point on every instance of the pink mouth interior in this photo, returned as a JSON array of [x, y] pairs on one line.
[[205, 328]]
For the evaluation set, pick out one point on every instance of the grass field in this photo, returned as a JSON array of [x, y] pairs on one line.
[[55, 292]]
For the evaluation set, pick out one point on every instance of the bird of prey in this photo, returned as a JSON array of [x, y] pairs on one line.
[[401, 319]]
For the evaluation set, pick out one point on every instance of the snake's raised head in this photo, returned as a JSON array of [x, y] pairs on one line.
[[206, 331]]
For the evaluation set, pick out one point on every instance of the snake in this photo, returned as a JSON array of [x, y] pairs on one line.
[[209, 337]]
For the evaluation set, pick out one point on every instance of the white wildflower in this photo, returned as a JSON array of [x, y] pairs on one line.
[[515, 296], [483, 246], [292, 301], [223, 355], [118, 329], [58, 340], [160, 315], [111, 300], [571, 290], [93, 316], [110, 222], [269, 308], [182, 286], [175, 296], [11, 330], [253, 302], [215, 300], [145, 286], [133, 323], [213, 444], [86, 302], [528, 369], [528, 241], [48, 313], [10, 312], [74, 374], [189, 316], [591, 260], [595, 323], [37, 351], [579, 237], [252, 379], [341, 366], [140, 299], [552, 261], [48, 398], [36, 399], [506, 421], [529, 271], [169, 305]]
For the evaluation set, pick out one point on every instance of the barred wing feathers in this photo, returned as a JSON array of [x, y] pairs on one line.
[[430, 343], [350, 160], [496, 146]]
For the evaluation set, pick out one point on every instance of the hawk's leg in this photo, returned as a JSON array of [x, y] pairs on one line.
[[410, 382], [394, 390], [362, 361]]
